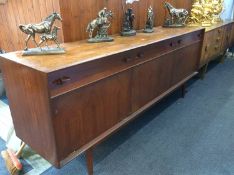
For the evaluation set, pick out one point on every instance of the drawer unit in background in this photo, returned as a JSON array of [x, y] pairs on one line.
[[216, 41], [74, 101]]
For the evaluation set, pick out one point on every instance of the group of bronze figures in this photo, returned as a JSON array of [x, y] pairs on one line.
[[48, 32]]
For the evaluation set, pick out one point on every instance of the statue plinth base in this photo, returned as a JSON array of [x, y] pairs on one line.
[[128, 33], [99, 40], [206, 24], [148, 30], [43, 51], [173, 25]]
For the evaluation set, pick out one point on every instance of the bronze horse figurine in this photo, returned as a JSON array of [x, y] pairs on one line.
[[41, 28], [98, 22], [177, 15]]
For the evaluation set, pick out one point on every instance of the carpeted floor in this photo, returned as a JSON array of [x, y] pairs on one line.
[[190, 136]]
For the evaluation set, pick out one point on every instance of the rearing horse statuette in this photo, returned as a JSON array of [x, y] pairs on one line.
[[42, 28]]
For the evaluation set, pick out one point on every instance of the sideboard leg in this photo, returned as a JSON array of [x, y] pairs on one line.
[[183, 90], [203, 71], [222, 57], [89, 161]]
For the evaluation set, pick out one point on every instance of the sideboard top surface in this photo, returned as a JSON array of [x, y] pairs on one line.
[[81, 51], [220, 24]]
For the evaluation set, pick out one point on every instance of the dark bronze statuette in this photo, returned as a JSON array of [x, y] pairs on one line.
[[149, 27], [44, 29], [127, 28], [177, 17], [102, 24]]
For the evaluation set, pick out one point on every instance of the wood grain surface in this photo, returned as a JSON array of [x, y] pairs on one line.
[[80, 52]]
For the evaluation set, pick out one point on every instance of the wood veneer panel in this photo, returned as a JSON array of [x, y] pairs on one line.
[[29, 103], [84, 114], [81, 52]]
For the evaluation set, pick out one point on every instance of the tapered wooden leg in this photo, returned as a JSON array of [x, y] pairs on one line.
[[89, 161], [183, 90], [203, 71], [222, 57]]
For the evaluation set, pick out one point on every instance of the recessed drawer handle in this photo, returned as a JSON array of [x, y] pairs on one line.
[[179, 41], [171, 44], [62, 80], [216, 47], [140, 55], [206, 48], [128, 59]]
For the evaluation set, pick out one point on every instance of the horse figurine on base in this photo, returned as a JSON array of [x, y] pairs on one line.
[[41, 28], [102, 24], [178, 16]]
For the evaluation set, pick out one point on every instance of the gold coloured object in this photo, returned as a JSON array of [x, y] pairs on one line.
[[205, 12]]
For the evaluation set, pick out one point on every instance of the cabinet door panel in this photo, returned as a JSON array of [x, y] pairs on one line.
[[151, 79], [84, 114], [185, 62]]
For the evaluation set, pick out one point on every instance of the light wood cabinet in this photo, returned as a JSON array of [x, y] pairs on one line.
[[216, 41]]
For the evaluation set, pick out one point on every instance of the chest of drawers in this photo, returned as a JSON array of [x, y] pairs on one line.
[[63, 105]]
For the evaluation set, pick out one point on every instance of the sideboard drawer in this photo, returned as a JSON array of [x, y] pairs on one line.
[[68, 79]]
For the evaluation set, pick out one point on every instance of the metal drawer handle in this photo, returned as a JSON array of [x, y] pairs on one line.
[[62, 80]]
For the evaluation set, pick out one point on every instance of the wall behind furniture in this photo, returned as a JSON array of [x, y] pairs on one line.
[[76, 15], [15, 12]]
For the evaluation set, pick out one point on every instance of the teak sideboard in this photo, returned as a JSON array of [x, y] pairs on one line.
[[63, 105], [217, 39]]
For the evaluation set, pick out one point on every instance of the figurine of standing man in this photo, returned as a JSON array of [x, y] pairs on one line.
[[127, 29], [149, 26]]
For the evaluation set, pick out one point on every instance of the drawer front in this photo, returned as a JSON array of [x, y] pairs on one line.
[[68, 79], [216, 43]]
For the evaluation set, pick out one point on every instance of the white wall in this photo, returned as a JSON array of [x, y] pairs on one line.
[[228, 10]]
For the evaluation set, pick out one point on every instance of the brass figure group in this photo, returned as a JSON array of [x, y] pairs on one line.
[[206, 12], [45, 30], [102, 24]]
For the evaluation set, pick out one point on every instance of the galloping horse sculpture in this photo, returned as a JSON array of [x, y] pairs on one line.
[[41, 28], [98, 22], [178, 16]]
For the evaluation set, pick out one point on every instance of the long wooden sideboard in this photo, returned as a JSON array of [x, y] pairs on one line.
[[217, 39], [63, 105]]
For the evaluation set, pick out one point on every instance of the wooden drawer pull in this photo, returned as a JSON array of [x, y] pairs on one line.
[[127, 60], [140, 55], [62, 80]]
